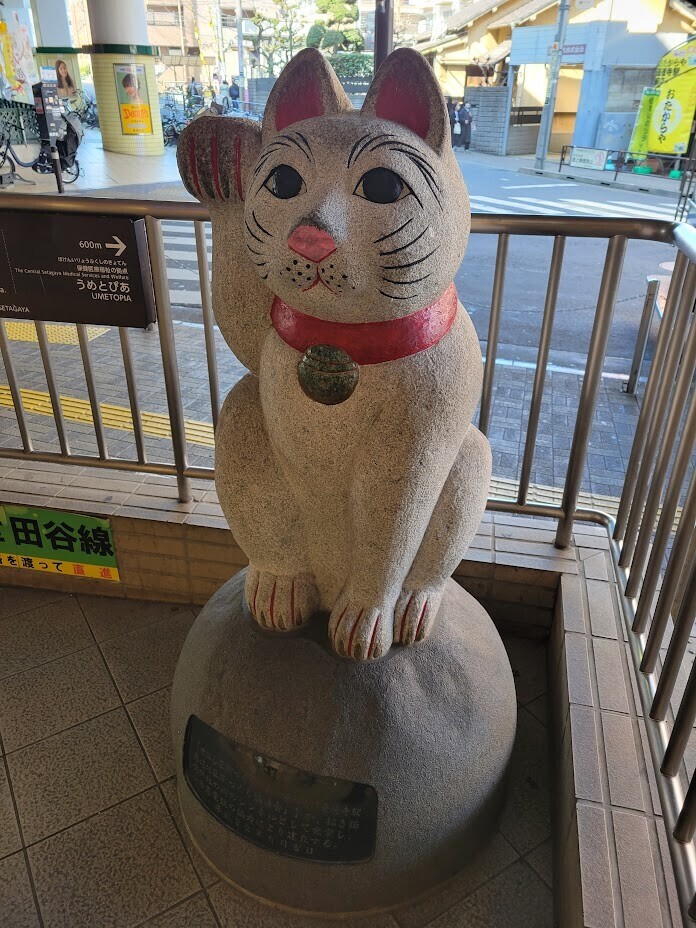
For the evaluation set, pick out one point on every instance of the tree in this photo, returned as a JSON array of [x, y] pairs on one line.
[[339, 17], [315, 35], [278, 37]]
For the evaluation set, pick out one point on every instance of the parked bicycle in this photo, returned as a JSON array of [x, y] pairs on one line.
[[43, 162], [172, 124], [85, 107]]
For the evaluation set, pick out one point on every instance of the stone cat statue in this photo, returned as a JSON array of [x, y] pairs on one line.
[[346, 463]]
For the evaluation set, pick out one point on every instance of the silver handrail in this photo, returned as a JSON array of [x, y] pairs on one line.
[[643, 536]]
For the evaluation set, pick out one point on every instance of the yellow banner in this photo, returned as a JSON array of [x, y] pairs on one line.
[[672, 116], [639, 137], [67, 568]]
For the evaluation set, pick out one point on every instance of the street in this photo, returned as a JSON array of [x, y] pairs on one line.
[[496, 190]]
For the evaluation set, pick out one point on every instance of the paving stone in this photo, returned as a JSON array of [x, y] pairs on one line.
[[578, 670], [17, 908], [193, 913], [623, 765], [641, 903], [526, 818], [44, 633], [572, 604], [595, 567], [582, 732], [10, 840], [597, 892], [602, 609], [541, 860], [150, 715], [611, 683]]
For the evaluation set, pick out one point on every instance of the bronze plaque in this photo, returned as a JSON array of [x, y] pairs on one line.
[[276, 806]]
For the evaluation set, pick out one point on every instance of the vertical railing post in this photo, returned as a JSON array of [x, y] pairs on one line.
[[590, 385], [493, 330], [542, 361], [169, 362], [643, 332], [208, 320]]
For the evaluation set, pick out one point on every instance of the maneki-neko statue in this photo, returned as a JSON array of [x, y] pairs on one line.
[[352, 477]]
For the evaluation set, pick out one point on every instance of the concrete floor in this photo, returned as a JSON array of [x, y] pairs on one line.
[[90, 833]]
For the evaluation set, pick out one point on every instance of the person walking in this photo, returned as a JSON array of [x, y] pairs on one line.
[[234, 94], [456, 125], [467, 121]]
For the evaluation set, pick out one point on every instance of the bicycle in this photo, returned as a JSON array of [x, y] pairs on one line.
[[85, 108], [43, 163]]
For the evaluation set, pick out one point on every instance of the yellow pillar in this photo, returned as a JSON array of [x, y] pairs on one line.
[[123, 67]]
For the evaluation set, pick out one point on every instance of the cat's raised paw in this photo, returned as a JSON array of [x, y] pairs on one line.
[[414, 614], [362, 632], [280, 602]]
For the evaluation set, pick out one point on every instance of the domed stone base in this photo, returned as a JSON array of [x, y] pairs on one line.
[[328, 786]]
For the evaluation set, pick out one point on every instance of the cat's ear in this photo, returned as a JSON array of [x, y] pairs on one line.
[[215, 156], [307, 87], [404, 90]]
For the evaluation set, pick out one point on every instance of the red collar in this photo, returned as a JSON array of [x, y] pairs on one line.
[[369, 342]]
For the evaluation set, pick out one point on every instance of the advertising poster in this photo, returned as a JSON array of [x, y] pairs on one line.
[[670, 125], [133, 99], [66, 81], [641, 131], [24, 70]]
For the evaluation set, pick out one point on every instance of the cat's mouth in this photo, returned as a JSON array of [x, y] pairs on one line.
[[317, 280]]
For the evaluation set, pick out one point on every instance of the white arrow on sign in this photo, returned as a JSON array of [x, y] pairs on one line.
[[119, 245]]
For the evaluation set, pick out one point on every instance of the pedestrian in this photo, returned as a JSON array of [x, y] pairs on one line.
[[234, 94], [456, 125], [467, 120], [450, 107]]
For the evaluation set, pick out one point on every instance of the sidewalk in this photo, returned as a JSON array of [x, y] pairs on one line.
[[524, 164]]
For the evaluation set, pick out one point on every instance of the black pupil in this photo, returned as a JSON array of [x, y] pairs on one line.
[[285, 182], [380, 185]]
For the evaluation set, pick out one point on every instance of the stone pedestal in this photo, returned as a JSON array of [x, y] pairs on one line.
[[323, 785]]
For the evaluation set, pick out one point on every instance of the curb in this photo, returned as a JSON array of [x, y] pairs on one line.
[[599, 183]]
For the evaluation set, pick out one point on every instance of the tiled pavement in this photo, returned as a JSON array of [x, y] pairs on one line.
[[90, 833], [613, 427]]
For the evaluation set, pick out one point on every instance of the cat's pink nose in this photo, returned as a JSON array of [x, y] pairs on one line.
[[311, 243]]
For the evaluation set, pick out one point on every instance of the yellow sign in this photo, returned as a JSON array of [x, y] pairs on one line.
[[639, 137], [59, 567], [133, 99], [673, 114]]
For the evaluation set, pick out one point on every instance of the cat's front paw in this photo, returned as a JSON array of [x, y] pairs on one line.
[[414, 614], [278, 601], [359, 630]]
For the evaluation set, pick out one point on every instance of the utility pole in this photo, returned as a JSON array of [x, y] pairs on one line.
[[384, 30], [240, 53], [182, 38], [552, 86]]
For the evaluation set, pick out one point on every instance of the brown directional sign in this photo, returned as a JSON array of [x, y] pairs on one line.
[[68, 268]]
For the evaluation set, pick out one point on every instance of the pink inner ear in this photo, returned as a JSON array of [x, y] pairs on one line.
[[301, 100], [402, 101]]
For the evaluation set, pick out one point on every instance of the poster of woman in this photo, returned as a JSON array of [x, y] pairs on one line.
[[66, 83], [133, 99]]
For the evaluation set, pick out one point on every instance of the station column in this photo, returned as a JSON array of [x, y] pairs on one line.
[[123, 66]]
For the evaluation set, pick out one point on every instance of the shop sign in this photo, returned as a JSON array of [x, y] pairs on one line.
[[66, 268], [641, 130], [133, 99], [593, 158], [673, 113], [50, 541]]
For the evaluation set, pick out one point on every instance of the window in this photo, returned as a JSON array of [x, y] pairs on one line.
[[229, 21], [163, 17]]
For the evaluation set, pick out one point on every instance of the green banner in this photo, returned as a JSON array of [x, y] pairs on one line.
[[51, 541], [639, 137]]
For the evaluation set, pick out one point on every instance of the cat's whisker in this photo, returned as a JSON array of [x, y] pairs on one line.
[[259, 240], [409, 296], [389, 234], [405, 283], [265, 231], [413, 241], [394, 267]]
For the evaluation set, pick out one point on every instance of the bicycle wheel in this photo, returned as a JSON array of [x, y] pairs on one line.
[[71, 174]]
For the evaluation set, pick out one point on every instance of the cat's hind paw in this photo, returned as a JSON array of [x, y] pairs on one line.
[[280, 602], [414, 614], [360, 632]]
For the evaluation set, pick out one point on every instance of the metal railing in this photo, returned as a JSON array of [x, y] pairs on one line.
[[646, 549]]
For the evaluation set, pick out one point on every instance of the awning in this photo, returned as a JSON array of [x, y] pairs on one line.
[[522, 13], [499, 53], [685, 9]]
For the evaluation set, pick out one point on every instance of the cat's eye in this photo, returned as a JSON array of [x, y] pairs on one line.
[[284, 182], [380, 185]]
